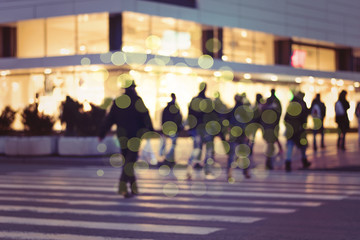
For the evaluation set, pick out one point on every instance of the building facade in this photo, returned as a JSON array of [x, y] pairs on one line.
[[87, 48]]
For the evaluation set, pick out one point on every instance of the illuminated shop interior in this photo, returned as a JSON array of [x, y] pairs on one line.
[[148, 45]]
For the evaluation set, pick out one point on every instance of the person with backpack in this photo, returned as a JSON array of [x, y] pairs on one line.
[[342, 119], [318, 112]]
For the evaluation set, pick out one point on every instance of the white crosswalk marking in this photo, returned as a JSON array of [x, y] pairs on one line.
[[105, 198], [155, 205], [193, 217], [45, 236], [63, 199], [110, 226], [182, 185], [184, 191]]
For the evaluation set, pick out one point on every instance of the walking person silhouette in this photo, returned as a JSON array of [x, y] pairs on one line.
[[132, 119], [295, 121], [270, 118], [200, 120], [239, 118], [357, 114], [318, 111], [256, 121], [342, 119], [171, 126]]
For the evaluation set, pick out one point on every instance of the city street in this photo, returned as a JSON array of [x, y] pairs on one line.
[[216, 106], [57, 202]]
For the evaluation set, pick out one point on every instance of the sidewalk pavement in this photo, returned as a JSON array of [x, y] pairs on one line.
[[329, 158]]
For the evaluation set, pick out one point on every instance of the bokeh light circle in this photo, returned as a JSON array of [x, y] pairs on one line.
[[170, 189], [205, 61]]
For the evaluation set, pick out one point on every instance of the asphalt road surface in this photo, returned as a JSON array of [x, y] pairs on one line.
[[58, 202]]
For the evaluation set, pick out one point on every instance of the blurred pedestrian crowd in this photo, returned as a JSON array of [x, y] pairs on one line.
[[235, 126]]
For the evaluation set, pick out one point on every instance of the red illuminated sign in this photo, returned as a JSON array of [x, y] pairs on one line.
[[298, 58]]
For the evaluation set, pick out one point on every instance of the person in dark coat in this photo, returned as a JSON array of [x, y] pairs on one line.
[[256, 121], [132, 119], [238, 118], [171, 120], [342, 119], [318, 112], [70, 114], [357, 114], [222, 110], [270, 118], [295, 121], [203, 122], [274, 100]]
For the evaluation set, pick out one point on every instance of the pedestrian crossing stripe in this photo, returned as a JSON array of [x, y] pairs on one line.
[[154, 228], [251, 188], [308, 186], [56, 236], [307, 177], [62, 194], [237, 201], [182, 185], [174, 216], [106, 197], [182, 191], [153, 205]]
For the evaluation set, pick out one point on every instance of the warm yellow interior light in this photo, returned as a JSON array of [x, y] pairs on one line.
[[148, 69], [311, 79], [340, 83], [4, 73], [321, 81], [47, 71], [217, 74], [64, 51], [128, 49], [274, 78], [247, 76]]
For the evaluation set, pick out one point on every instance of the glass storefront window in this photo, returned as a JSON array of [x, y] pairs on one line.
[[264, 49], [31, 38], [189, 41], [88, 85], [60, 36], [313, 58], [327, 59], [136, 28], [240, 45], [81, 34], [93, 33], [165, 29], [160, 35]]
